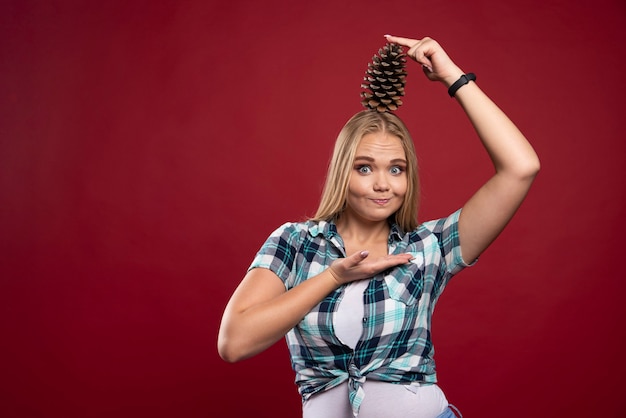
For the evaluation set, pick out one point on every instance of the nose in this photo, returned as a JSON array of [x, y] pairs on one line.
[[381, 183]]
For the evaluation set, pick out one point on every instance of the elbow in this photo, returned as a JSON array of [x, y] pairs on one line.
[[228, 351], [531, 168], [525, 170], [228, 357], [223, 351], [229, 343], [233, 349], [534, 164], [234, 342]]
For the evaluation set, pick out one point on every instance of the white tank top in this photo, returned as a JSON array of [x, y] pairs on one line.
[[381, 398], [348, 320]]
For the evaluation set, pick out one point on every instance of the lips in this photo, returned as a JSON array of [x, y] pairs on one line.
[[381, 201]]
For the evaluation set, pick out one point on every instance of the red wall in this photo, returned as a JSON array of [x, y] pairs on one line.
[[148, 148]]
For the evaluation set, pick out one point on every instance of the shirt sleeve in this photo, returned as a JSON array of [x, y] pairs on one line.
[[447, 232], [279, 251]]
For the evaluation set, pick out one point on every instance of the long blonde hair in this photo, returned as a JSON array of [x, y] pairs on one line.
[[333, 200]]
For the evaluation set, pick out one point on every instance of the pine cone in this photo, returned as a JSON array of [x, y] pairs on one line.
[[385, 79]]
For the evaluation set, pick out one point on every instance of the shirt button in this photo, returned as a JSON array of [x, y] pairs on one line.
[[364, 319]]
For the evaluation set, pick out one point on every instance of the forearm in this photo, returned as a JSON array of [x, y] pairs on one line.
[[516, 164], [249, 330], [510, 152]]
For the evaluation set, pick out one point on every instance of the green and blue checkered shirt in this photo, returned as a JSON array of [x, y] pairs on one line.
[[395, 345]]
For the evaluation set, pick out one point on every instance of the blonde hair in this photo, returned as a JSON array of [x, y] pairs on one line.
[[333, 200]]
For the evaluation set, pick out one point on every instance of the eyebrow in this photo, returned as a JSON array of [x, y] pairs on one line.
[[370, 159]]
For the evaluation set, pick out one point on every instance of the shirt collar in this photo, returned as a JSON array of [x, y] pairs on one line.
[[329, 230], [395, 233], [326, 228]]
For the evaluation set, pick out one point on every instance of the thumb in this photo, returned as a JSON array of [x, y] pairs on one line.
[[357, 257]]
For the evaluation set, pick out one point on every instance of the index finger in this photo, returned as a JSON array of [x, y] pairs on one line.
[[402, 41]]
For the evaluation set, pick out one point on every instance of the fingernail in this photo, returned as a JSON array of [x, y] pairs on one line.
[[386, 36], [365, 253]]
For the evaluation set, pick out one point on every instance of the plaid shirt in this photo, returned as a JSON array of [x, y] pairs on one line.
[[396, 344]]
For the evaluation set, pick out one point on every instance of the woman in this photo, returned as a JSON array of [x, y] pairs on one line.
[[354, 288]]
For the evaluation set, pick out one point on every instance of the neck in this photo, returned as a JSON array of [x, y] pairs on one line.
[[359, 231]]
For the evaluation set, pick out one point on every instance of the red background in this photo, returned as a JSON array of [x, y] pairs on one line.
[[148, 148]]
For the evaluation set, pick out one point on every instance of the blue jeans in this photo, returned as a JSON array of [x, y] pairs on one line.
[[449, 413]]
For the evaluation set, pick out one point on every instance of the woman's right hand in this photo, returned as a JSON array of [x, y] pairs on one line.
[[359, 266], [261, 311]]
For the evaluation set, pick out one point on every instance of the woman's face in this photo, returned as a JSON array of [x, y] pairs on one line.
[[378, 181]]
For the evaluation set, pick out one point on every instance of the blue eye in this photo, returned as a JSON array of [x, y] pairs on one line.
[[396, 170], [364, 169]]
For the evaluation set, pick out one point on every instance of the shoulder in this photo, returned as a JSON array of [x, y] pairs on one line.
[[441, 225], [434, 230], [284, 244], [291, 231]]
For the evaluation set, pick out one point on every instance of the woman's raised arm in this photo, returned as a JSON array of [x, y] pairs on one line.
[[516, 164]]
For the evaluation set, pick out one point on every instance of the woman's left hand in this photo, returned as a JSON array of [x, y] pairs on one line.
[[516, 164], [436, 64]]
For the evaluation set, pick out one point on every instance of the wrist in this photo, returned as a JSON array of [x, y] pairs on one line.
[[334, 276], [460, 82], [453, 76]]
